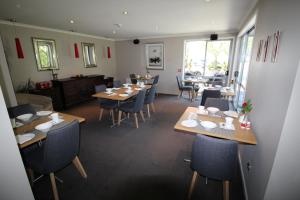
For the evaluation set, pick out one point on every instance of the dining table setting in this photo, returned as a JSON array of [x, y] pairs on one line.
[[32, 128], [215, 123]]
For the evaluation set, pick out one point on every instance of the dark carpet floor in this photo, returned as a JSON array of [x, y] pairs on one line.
[[125, 163]]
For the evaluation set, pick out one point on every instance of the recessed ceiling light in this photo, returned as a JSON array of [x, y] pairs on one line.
[[125, 12], [72, 21], [207, 1], [114, 32], [18, 5]]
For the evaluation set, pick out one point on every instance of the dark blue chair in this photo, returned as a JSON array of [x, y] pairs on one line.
[[20, 110], [149, 99], [133, 107], [182, 87], [155, 80], [106, 103], [60, 148], [222, 104], [133, 78], [209, 94], [213, 158], [117, 84]]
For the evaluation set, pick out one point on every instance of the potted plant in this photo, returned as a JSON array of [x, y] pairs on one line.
[[246, 108]]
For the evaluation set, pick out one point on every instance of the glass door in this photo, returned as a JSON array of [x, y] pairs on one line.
[[243, 68]]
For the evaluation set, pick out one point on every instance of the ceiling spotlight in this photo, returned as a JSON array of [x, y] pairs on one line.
[[114, 32], [207, 1], [125, 12], [72, 21]]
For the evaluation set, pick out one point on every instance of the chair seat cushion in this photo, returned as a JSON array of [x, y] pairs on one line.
[[127, 107]]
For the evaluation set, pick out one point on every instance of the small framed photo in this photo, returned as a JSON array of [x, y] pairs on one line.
[[155, 56]]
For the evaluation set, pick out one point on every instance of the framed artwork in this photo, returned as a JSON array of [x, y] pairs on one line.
[[259, 50], [275, 47], [266, 48], [155, 56]]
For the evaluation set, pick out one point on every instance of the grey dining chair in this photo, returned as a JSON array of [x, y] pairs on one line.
[[209, 94], [182, 87], [106, 104], [60, 148], [222, 104], [149, 99], [133, 78], [117, 84], [136, 106], [213, 158], [20, 110], [155, 80]]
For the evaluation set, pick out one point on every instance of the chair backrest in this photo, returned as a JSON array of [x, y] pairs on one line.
[[139, 101], [117, 84], [61, 147], [209, 94], [179, 82], [214, 158], [20, 110], [133, 78], [151, 95], [222, 104], [155, 81], [100, 88]]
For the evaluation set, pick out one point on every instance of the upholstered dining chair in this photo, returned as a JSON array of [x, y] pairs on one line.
[[20, 110], [213, 158], [222, 104], [182, 87], [106, 104], [117, 84], [149, 99], [155, 80], [136, 106], [209, 94], [60, 148], [133, 78]]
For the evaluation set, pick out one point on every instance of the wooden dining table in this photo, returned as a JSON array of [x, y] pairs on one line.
[[29, 127], [240, 135]]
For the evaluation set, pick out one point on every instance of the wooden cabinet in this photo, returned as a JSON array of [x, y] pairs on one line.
[[71, 91]]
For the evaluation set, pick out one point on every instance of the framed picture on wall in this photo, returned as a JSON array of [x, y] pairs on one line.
[[155, 56]]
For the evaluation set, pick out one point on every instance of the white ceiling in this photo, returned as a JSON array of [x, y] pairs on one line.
[[145, 18]]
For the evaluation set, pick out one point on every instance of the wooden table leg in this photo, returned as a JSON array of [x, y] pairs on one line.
[[79, 167]]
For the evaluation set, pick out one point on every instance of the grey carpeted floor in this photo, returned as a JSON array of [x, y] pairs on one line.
[[125, 163]]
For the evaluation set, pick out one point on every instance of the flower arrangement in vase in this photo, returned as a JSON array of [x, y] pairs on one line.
[[246, 108]]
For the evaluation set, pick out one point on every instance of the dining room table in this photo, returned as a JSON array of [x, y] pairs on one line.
[[29, 127], [235, 133]]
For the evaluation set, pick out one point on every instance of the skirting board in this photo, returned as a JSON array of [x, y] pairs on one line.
[[243, 177]]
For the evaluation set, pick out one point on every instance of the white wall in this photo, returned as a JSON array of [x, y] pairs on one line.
[[13, 179], [270, 87], [22, 69], [131, 59]]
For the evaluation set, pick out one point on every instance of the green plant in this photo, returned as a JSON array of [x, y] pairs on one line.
[[247, 107]]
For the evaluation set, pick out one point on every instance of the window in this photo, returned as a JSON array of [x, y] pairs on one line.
[[243, 68], [45, 54], [207, 57]]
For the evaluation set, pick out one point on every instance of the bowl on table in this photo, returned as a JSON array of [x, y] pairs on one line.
[[213, 110], [44, 127], [25, 117]]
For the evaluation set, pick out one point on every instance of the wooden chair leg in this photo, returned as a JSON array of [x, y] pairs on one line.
[[226, 190], [79, 167], [153, 107], [142, 115], [101, 113], [119, 117], [148, 110], [30, 175], [192, 185], [54, 188], [112, 116], [136, 120]]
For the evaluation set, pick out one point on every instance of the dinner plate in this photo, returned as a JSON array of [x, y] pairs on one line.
[[24, 137], [208, 124], [43, 113], [189, 123], [202, 112], [123, 95], [231, 113]]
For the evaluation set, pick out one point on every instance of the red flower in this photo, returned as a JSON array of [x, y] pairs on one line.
[[245, 104]]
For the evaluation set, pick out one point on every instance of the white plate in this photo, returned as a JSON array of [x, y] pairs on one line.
[[231, 113], [43, 113], [189, 123], [25, 117], [108, 92], [115, 88], [123, 95], [24, 137], [208, 124], [202, 112], [18, 124]]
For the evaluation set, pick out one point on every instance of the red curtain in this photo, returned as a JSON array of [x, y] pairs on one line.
[[19, 48], [76, 50], [108, 53]]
